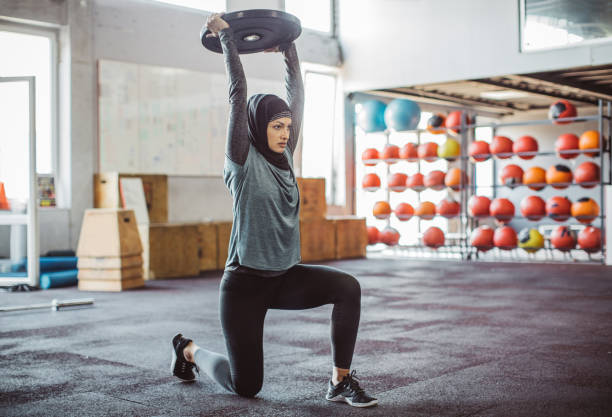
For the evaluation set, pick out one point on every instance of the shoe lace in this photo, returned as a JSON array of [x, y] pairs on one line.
[[353, 383]]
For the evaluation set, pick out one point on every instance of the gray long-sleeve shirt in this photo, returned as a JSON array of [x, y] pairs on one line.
[[265, 237]]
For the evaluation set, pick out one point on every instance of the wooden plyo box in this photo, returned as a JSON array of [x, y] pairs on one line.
[[107, 193], [173, 251], [110, 285], [351, 237], [317, 240], [208, 249], [224, 230], [312, 198], [109, 233]]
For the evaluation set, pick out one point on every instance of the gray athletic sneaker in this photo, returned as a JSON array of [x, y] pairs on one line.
[[349, 391]]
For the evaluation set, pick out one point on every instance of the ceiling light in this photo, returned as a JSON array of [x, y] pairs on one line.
[[503, 94]]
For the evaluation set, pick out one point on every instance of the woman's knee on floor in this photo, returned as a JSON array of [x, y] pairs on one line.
[[248, 389]]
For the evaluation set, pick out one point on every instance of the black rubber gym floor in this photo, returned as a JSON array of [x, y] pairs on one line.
[[436, 339]]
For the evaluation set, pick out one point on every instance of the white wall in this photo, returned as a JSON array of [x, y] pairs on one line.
[[393, 43]]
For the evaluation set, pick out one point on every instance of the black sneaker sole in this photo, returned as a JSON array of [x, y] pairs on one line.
[[343, 399], [174, 370]]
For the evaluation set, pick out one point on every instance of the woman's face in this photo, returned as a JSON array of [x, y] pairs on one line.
[[278, 134]]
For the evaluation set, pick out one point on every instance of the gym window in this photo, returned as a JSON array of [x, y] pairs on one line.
[[206, 5], [32, 51], [314, 14]]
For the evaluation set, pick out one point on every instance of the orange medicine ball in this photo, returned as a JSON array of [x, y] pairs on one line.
[[479, 150], [370, 157], [479, 206], [501, 146], [587, 174], [565, 143], [370, 182], [448, 208], [428, 151], [433, 237], [435, 180], [390, 154], [589, 140], [559, 208], [585, 210], [389, 236], [409, 152], [535, 178], [533, 207], [559, 176], [404, 211], [563, 238], [455, 179], [512, 175], [426, 210], [397, 182], [373, 235], [589, 239], [505, 238], [502, 209], [416, 182], [482, 238], [382, 210], [524, 146], [436, 123]]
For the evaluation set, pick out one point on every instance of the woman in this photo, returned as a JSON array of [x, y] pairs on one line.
[[262, 269]]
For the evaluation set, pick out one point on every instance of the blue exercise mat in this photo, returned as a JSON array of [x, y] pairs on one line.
[[58, 279]]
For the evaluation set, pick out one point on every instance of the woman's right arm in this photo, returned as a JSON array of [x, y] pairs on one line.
[[237, 143]]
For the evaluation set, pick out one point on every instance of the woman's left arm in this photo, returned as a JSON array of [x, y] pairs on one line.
[[295, 94]]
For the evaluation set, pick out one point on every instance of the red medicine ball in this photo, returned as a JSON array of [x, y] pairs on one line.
[[435, 180], [397, 182], [561, 109], [404, 211], [389, 236], [409, 152], [448, 208], [589, 239], [370, 157], [501, 146], [416, 182], [505, 238], [433, 237], [479, 150], [559, 208], [587, 174], [479, 206], [563, 238], [567, 142], [482, 238], [533, 207], [512, 175], [373, 235], [502, 209], [525, 144]]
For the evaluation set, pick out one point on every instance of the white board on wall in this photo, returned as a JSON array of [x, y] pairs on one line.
[[165, 120]]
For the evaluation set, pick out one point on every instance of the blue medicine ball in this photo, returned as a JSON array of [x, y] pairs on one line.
[[402, 115], [371, 117]]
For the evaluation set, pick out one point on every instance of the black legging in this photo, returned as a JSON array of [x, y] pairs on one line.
[[244, 301]]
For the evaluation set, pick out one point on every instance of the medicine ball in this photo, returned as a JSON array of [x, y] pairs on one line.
[[382, 210], [589, 239], [502, 209], [585, 210], [479, 150], [561, 109], [389, 236], [371, 117], [402, 114], [589, 140], [567, 142], [370, 182], [535, 178], [482, 238], [448, 208], [416, 182], [563, 238], [436, 124], [404, 211], [531, 240], [456, 179], [559, 208], [433, 237], [370, 157], [426, 210], [478, 206], [428, 151], [435, 180], [373, 235], [559, 176], [533, 207], [512, 175], [587, 174], [501, 146], [409, 152], [397, 182], [390, 154], [525, 145], [453, 121], [449, 150], [505, 238]]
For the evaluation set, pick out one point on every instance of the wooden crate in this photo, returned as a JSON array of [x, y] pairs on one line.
[[351, 236], [85, 262], [224, 230], [317, 240], [106, 193], [112, 274], [208, 250], [109, 233], [173, 251], [110, 285], [312, 198]]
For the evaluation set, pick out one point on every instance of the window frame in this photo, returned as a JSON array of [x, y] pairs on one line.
[[169, 3], [333, 30], [53, 35]]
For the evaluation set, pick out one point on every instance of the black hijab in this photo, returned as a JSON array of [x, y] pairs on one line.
[[262, 109]]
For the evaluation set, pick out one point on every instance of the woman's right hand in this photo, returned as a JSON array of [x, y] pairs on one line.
[[215, 24]]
